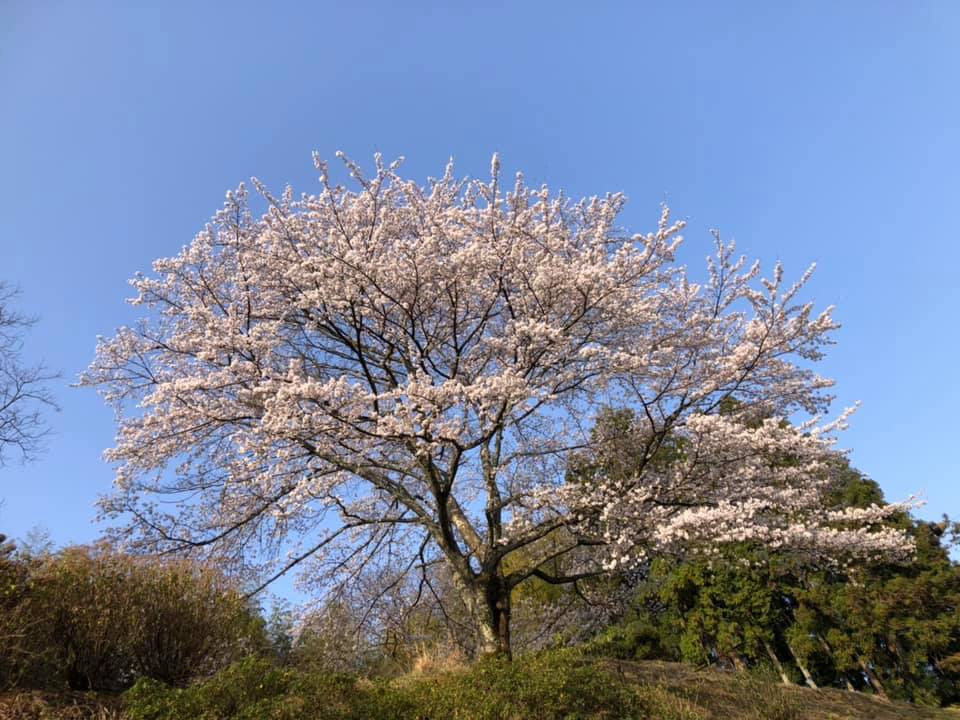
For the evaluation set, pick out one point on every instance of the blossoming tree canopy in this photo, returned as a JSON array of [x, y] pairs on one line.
[[398, 377]]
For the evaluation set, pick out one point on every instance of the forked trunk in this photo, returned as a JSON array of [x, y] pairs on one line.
[[494, 620], [488, 601]]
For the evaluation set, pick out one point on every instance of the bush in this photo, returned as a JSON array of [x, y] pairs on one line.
[[546, 686], [252, 689], [99, 619], [555, 684], [19, 651], [635, 639]]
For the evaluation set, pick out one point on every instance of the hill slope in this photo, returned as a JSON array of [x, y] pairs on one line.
[[712, 694], [667, 691]]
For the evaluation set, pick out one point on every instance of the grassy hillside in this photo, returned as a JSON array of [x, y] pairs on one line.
[[712, 694], [581, 690]]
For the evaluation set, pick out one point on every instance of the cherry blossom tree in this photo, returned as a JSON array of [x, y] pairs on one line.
[[394, 378]]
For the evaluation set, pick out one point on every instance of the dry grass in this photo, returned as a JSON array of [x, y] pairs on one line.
[[717, 695], [26, 705], [438, 658]]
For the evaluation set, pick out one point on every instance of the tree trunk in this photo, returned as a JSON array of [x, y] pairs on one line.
[[495, 626], [803, 668], [776, 663], [489, 603], [873, 680], [487, 598]]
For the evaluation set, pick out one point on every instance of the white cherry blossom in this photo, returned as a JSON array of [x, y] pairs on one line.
[[394, 375]]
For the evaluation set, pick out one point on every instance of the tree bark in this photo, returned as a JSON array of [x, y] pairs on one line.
[[495, 625], [873, 680], [803, 668], [776, 663]]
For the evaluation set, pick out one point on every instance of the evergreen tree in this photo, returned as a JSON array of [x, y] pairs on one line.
[[890, 629]]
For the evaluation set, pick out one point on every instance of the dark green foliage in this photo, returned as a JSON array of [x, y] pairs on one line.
[[724, 612], [896, 629], [701, 612], [641, 636], [888, 629]]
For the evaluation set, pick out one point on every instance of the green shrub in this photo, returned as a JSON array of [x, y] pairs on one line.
[[556, 684], [636, 639], [253, 689], [548, 686]]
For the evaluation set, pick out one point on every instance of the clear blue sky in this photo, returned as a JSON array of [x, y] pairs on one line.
[[809, 131]]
